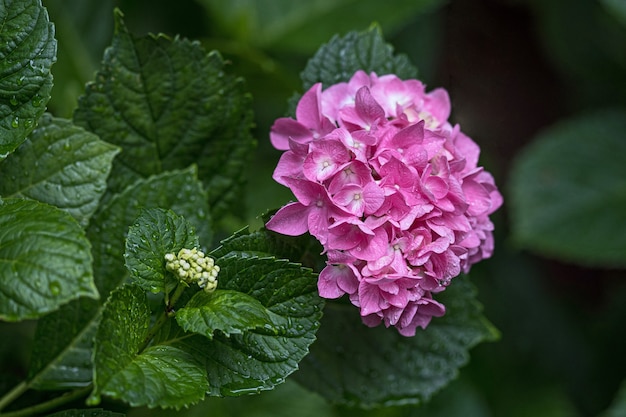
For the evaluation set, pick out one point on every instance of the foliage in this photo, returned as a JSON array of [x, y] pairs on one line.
[[154, 156]]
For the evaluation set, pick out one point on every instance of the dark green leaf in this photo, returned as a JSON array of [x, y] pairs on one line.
[[257, 359], [169, 104], [302, 25], [60, 164], [88, 412], [303, 249], [230, 312], [159, 376], [568, 191], [45, 259], [27, 51], [61, 356], [618, 407], [340, 58], [179, 191], [360, 366], [155, 233]]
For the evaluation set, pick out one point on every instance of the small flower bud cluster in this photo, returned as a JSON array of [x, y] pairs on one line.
[[193, 266]]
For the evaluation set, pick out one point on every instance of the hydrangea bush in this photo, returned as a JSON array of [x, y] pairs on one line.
[[391, 189], [108, 222]]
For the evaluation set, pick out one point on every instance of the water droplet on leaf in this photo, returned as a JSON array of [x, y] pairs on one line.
[[55, 288]]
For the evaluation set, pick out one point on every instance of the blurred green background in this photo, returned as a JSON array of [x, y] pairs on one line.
[[512, 68]]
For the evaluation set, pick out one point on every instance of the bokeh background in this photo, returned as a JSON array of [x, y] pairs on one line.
[[512, 68]]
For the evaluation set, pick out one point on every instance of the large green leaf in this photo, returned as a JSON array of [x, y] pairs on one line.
[[179, 190], [337, 60], [169, 104], [159, 375], [230, 312], [27, 51], [62, 165], [61, 356], [45, 259], [64, 333], [255, 357], [360, 366], [156, 233], [568, 191], [302, 25]]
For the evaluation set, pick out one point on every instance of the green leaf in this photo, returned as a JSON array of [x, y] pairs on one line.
[[62, 165], [258, 358], [179, 191], [88, 412], [341, 57], [230, 312], [359, 366], [27, 51], [618, 406], [169, 104], [45, 260], [64, 336], [302, 25], [156, 233], [568, 191], [160, 375], [61, 356]]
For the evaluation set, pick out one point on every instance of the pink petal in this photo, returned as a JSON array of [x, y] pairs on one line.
[[291, 220]]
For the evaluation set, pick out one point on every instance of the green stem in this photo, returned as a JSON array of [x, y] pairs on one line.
[[10, 396], [48, 405], [169, 312]]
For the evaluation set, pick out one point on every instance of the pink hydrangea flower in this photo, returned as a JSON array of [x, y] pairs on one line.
[[392, 191]]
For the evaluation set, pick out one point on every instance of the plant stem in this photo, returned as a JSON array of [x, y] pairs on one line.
[[48, 405], [10, 396], [169, 312]]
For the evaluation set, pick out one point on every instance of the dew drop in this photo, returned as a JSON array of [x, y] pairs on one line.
[[15, 123], [55, 288], [20, 80], [28, 123], [13, 101], [67, 145], [37, 100]]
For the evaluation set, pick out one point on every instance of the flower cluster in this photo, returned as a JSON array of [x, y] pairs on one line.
[[391, 190], [193, 266]]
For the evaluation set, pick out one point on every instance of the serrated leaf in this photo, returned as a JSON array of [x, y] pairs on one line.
[[60, 164], [568, 191], [87, 412], [179, 191], [337, 60], [45, 260], [156, 233], [359, 366], [257, 359], [230, 312], [169, 104], [159, 376], [61, 356], [27, 51]]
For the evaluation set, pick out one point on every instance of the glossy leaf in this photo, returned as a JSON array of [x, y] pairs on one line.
[[63, 333], [230, 312], [45, 260], [179, 191], [359, 366], [568, 191], [337, 60], [62, 165], [27, 51], [156, 233], [159, 375], [169, 104]]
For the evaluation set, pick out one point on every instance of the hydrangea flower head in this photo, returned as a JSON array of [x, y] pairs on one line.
[[392, 191]]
